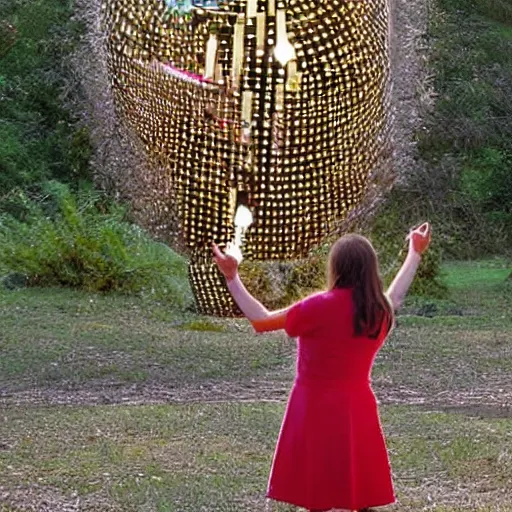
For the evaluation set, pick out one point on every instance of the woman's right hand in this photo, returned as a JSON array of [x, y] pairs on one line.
[[419, 238], [227, 263]]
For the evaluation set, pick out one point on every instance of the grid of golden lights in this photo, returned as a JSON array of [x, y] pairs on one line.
[[276, 106]]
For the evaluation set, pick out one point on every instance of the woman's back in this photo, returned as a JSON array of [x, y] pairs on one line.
[[331, 452], [328, 350]]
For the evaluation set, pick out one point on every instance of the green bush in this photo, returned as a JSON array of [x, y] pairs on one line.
[[468, 147], [265, 280], [305, 277], [85, 242], [279, 284], [388, 234], [498, 10], [486, 180], [41, 137]]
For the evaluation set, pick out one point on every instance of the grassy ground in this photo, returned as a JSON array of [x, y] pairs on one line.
[[110, 403]]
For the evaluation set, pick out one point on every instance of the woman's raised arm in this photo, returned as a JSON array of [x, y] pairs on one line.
[[419, 240], [261, 318]]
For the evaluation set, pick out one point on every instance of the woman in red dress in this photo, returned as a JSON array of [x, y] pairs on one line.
[[331, 452]]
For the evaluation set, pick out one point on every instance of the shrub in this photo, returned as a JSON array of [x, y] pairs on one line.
[[468, 144], [486, 180], [85, 242], [278, 284], [265, 280], [388, 235], [41, 138]]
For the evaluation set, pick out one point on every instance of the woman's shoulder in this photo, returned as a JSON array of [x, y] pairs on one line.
[[328, 297], [309, 313], [315, 297]]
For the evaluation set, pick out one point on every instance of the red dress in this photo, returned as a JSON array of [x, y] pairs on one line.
[[331, 451]]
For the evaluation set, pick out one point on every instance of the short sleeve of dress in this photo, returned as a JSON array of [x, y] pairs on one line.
[[292, 323], [300, 319]]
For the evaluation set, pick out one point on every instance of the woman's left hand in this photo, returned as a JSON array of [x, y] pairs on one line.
[[227, 263], [419, 238]]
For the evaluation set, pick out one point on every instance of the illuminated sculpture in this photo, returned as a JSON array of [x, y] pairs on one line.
[[278, 106]]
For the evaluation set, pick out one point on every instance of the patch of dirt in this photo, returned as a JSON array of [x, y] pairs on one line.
[[146, 394], [35, 498], [479, 410], [482, 402], [454, 496], [431, 310]]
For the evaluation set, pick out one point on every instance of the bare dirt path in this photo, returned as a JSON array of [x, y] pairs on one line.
[[494, 400]]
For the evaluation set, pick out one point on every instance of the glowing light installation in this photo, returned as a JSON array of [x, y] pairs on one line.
[[277, 107]]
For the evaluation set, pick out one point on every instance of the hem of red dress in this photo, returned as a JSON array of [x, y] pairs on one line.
[[315, 506]]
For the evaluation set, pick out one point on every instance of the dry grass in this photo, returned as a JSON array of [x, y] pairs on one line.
[[114, 404]]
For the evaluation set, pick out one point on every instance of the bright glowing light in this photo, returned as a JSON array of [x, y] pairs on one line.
[[284, 51], [235, 251], [243, 217]]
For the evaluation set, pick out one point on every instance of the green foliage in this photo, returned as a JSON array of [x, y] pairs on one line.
[[498, 10], [84, 242], [265, 281], [279, 284], [486, 180], [202, 326], [388, 235], [40, 137], [7, 38], [429, 278], [305, 276], [472, 56], [469, 144]]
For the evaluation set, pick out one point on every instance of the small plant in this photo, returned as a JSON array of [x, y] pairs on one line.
[[85, 242], [202, 326], [279, 284]]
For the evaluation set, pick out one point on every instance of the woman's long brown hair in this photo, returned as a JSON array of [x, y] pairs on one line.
[[353, 264]]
